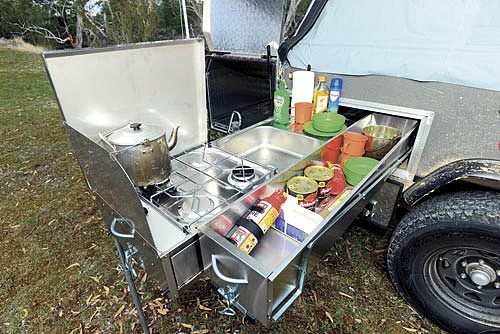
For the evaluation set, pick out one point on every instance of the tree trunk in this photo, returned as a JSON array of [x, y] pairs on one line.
[[79, 30]]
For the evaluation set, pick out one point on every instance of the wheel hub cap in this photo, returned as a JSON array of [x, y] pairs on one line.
[[480, 274]]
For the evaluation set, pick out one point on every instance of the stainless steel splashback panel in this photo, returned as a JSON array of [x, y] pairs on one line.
[[108, 180], [243, 26], [159, 83]]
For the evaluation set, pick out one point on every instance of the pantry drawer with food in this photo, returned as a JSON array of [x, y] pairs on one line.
[[258, 251]]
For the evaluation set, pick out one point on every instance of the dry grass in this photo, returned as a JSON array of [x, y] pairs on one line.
[[57, 264], [17, 44]]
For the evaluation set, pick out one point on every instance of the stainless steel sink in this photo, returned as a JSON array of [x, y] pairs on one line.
[[269, 146]]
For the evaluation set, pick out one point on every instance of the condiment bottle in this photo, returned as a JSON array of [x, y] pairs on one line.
[[281, 104], [320, 96], [335, 91], [257, 221]]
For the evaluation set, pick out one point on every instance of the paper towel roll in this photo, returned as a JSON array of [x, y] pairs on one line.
[[302, 88]]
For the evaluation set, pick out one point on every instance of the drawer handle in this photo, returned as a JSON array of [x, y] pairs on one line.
[[130, 224], [224, 277]]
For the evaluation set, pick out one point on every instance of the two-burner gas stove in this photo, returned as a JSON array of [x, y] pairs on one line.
[[202, 183]]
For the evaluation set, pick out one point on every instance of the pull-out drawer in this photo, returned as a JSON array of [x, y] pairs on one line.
[[265, 283]]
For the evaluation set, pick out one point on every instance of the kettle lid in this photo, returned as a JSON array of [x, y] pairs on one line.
[[135, 133]]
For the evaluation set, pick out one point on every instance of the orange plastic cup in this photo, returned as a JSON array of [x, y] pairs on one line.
[[354, 143], [303, 112], [335, 143], [330, 154]]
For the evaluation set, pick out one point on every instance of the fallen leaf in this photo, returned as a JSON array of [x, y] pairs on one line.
[[106, 290], [87, 301], [202, 307], [345, 295], [93, 315], [315, 296], [72, 266], [162, 311], [348, 253], [329, 316], [75, 330], [201, 331], [25, 313], [411, 330], [96, 297], [143, 279], [186, 325], [96, 279], [120, 310]]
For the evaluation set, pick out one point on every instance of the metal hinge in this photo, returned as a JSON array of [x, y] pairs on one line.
[[230, 295], [129, 255]]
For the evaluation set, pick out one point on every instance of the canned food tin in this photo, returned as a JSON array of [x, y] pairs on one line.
[[321, 175], [304, 189]]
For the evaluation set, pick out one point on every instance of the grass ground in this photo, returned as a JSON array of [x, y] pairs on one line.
[[57, 264]]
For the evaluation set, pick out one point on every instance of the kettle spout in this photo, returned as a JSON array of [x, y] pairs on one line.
[[172, 141]]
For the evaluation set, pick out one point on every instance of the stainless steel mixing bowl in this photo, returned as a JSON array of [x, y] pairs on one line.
[[381, 139]]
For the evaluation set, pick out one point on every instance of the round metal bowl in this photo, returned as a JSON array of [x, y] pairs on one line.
[[381, 139]]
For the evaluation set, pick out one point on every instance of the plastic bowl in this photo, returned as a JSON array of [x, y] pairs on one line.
[[328, 121], [353, 180], [359, 166]]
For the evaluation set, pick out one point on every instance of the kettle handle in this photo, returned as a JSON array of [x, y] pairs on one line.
[[105, 140]]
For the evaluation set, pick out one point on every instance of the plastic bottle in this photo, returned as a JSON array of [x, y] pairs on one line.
[[335, 91], [320, 96], [281, 104], [257, 221]]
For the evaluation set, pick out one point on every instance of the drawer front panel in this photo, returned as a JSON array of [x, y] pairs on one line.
[[248, 287]]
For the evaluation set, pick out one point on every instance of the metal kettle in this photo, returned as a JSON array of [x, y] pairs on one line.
[[143, 152]]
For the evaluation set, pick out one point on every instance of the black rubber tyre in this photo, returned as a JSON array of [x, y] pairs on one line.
[[437, 250]]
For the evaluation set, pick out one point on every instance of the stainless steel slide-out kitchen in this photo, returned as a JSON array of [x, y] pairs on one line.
[[166, 217]]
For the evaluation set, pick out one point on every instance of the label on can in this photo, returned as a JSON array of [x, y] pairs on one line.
[[322, 175], [265, 218], [305, 190], [324, 189], [243, 239]]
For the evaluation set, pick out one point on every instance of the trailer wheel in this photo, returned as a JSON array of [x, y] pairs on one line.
[[444, 259]]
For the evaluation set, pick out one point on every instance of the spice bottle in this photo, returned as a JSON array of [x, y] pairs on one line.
[[256, 221], [320, 96]]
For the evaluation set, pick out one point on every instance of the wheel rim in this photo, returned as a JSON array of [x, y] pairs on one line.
[[467, 280]]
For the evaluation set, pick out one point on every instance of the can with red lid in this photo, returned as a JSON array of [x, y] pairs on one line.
[[304, 189]]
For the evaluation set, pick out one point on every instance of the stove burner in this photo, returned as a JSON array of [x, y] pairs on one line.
[[192, 208], [243, 173], [242, 177]]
